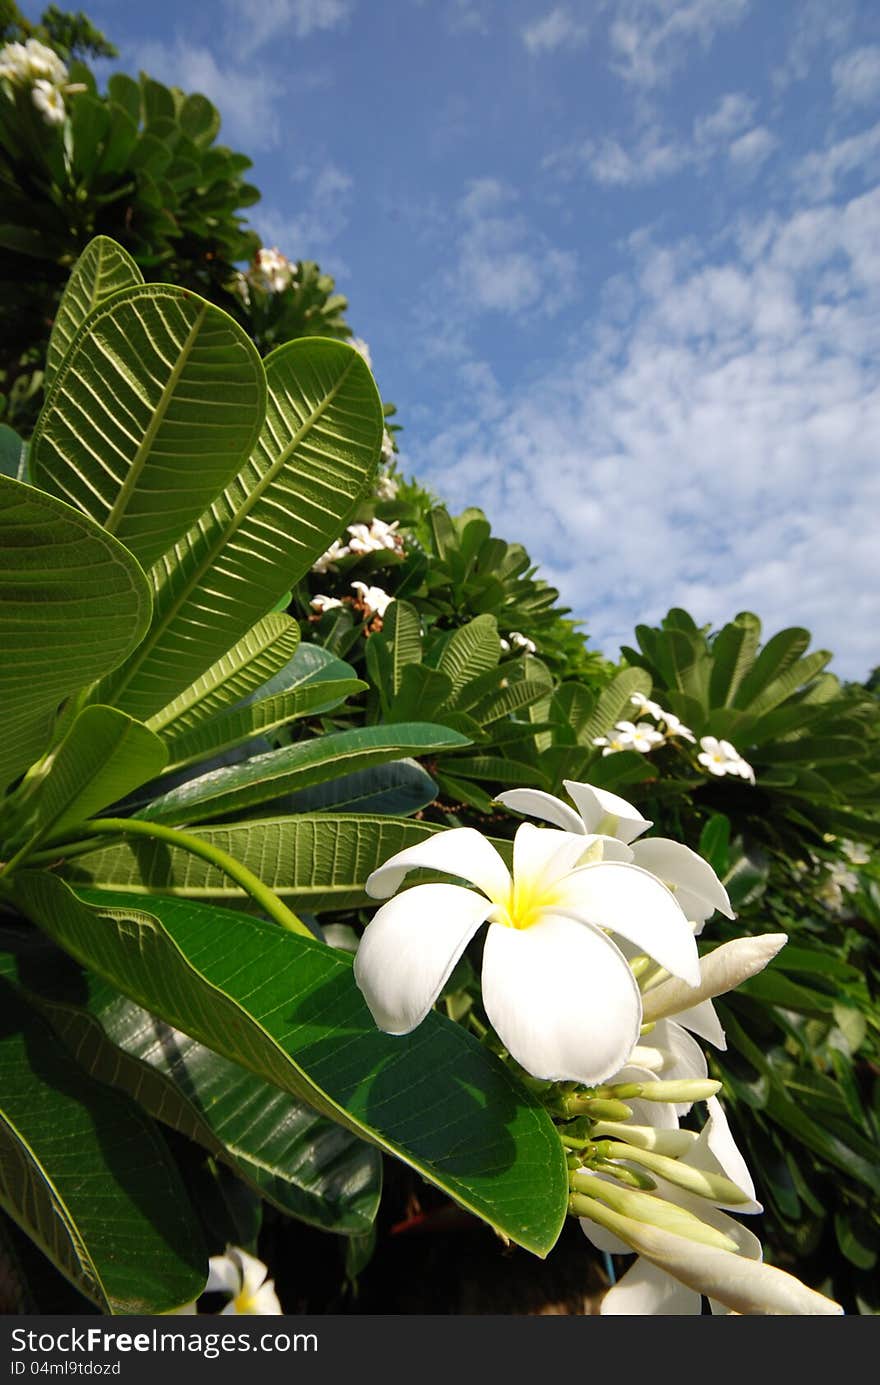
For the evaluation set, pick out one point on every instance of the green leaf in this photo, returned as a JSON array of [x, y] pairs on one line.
[[288, 1009], [733, 653], [788, 682], [104, 756], [159, 392], [242, 724], [614, 702], [715, 843], [73, 604], [401, 634], [399, 788], [471, 650], [298, 766], [778, 654], [102, 269], [263, 652], [315, 862], [422, 692], [317, 451], [87, 1177], [309, 1167], [13, 453]]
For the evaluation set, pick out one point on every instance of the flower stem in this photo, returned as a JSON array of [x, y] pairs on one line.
[[266, 898]]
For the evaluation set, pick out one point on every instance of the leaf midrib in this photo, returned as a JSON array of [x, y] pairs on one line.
[[227, 533], [128, 486]]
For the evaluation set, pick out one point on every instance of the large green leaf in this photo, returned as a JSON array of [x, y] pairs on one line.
[[103, 757], [317, 451], [315, 862], [614, 703], [778, 654], [242, 724], [73, 604], [265, 649], [288, 1009], [154, 409], [102, 269], [471, 650], [314, 761], [733, 653], [307, 1166], [87, 1176]]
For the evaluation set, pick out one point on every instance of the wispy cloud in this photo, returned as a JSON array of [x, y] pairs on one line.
[[254, 23], [556, 29], [726, 130], [817, 30], [503, 264], [819, 173], [716, 448], [856, 76], [249, 101], [651, 39]]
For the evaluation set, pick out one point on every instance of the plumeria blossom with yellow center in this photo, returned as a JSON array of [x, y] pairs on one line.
[[720, 758], [245, 1279], [556, 985], [610, 821]]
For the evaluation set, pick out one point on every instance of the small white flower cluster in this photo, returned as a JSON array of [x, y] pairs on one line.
[[387, 446], [642, 736], [364, 538], [838, 883], [518, 641], [33, 64], [386, 487], [374, 600], [271, 271], [720, 758]]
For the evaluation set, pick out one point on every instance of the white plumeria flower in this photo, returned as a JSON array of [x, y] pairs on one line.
[[49, 102], [605, 817], [322, 603], [23, 63], [676, 727], [505, 645], [520, 641], [720, 757], [374, 537], [386, 488], [645, 704], [272, 270], [244, 1278], [387, 445], [375, 600], [327, 561], [362, 349], [616, 740], [642, 736], [556, 988]]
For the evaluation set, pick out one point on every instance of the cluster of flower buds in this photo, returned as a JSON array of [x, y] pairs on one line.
[[516, 640], [271, 271], [33, 65]]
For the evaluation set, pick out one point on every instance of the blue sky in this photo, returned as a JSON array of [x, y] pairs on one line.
[[617, 262]]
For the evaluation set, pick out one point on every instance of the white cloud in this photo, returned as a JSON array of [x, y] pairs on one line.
[[818, 29], [654, 155], [651, 38], [557, 29], [716, 449], [502, 263], [467, 17], [819, 173], [310, 233], [248, 100], [751, 149], [856, 76], [254, 23]]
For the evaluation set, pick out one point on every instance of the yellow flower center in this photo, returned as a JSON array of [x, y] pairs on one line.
[[526, 902]]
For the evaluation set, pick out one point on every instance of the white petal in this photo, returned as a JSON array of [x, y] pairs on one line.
[[224, 1275], [538, 804], [700, 1019], [595, 804], [253, 1271], [265, 1302], [460, 851], [645, 1289], [686, 1059], [629, 901], [409, 949], [720, 971], [745, 1285], [715, 1151], [675, 864], [561, 998], [541, 855]]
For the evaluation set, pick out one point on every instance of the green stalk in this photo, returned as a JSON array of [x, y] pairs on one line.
[[266, 898]]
